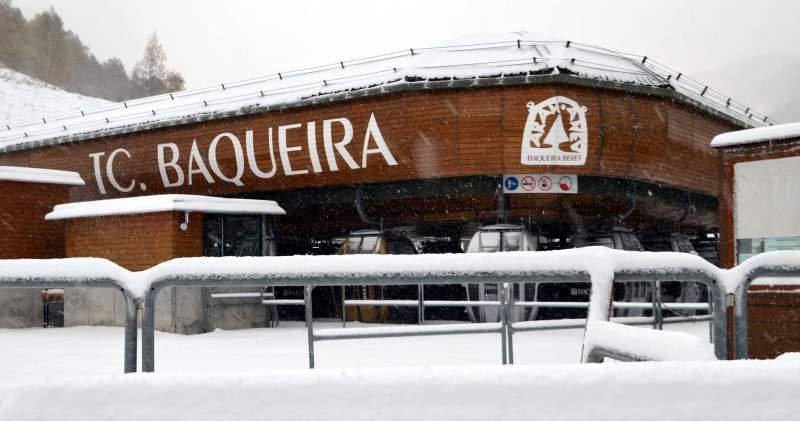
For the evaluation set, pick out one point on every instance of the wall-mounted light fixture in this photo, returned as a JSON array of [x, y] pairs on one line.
[[185, 224]]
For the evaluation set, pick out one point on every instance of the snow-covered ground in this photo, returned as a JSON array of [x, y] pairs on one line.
[[23, 98], [74, 373], [36, 355]]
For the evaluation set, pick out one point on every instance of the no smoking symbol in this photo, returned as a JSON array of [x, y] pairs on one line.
[[528, 183], [545, 183]]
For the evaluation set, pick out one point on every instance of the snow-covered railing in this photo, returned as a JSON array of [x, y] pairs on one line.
[[80, 273], [600, 266], [313, 271]]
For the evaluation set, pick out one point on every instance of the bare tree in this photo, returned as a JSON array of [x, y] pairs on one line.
[[150, 71]]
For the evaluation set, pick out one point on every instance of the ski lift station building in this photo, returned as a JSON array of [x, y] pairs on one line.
[[566, 139]]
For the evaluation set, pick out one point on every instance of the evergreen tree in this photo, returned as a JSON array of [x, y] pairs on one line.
[[50, 43], [15, 44], [115, 78], [44, 49]]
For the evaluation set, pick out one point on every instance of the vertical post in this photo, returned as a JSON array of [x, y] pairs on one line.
[[659, 307], [421, 304], [503, 313], [148, 331], [481, 297], [720, 321], [309, 323], [131, 333], [509, 325], [740, 351], [344, 307]]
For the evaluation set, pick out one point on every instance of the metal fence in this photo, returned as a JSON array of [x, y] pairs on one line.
[[46, 274], [444, 277], [45, 282], [506, 325]]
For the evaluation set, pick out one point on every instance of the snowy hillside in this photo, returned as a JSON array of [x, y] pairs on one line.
[[23, 98]]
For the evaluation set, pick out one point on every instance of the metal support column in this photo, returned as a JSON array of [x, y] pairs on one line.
[[421, 304], [344, 307], [658, 317], [148, 332], [508, 309], [503, 324], [309, 323], [131, 333], [740, 351]]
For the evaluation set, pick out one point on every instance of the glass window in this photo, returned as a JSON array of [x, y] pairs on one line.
[[748, 247], [232, 235]]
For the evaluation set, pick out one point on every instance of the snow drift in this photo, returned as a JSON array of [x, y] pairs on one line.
[[736, 390]]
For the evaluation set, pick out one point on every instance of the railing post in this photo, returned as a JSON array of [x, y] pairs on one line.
[[421, 304], [344, 307], [503, 321], [720, 322], [508, 308], [309, 323], [131, 333], [148, 331], [658, 319], [740, 351]]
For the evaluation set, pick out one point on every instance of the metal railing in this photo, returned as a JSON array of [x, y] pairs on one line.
[[506, 326], [87, 280], [443, 277], [268, 278], [68, 273]]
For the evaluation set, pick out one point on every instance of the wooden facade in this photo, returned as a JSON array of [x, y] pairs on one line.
[[459, 138]]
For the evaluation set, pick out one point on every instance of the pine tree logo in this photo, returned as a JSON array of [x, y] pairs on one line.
[[555, 133]]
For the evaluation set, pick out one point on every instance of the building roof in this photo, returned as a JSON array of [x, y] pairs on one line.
[[164, 203], [759, 134], [40, 175], [501, 59]]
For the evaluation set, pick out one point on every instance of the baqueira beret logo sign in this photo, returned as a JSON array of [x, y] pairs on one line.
[[555, 133]]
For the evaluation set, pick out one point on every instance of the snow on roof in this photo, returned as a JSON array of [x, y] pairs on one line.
[[758, 134], [508, 58], [40, 175], [164, 203]]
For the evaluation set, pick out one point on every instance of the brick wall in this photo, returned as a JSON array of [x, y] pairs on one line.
[[136, 242], [24, 234], [23, 231]]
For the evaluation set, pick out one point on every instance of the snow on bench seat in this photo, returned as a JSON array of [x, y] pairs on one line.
[[638, 344]]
